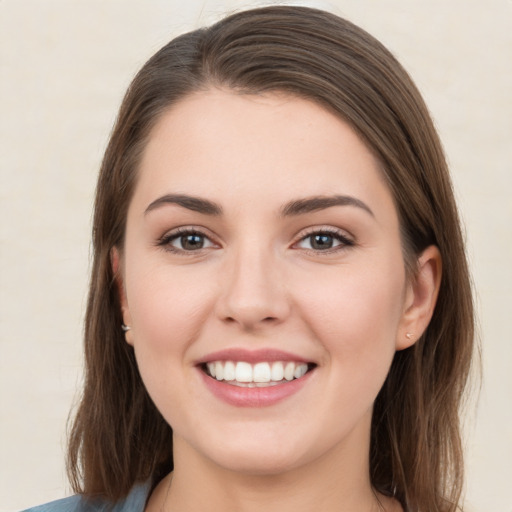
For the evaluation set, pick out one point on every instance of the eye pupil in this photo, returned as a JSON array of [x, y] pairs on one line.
[[321, 241], [191, 242]]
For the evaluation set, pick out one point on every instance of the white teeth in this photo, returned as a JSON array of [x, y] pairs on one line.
[[289, 370], [219, 370], [259, 375], [261, 372], [229, 370], [277, 373], [300, 370], [254, 384], [243, 372]]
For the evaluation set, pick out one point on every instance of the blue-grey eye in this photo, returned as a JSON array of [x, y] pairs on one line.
[[320, 242], [323, 241], [192, 241]]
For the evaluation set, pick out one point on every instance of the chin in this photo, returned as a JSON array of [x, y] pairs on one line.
[[259, 464], [259, 455]]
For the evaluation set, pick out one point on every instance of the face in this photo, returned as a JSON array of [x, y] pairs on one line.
[[263, 280]]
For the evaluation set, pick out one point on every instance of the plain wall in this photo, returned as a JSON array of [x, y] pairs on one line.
[[64, 67]]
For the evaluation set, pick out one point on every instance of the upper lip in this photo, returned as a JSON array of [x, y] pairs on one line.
[[251, 356]]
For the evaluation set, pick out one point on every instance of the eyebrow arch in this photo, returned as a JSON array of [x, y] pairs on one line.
[[195, 204], [311, 204]]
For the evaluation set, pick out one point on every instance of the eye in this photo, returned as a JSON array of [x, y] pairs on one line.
[[185, 240], [324, 240]]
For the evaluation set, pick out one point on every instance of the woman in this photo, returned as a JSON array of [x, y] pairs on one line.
[[280, 314]]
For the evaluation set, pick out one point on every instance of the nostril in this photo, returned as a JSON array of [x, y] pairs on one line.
[[251, 323]]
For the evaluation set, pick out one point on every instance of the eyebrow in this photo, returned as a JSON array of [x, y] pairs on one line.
[[296, 207], [195, 204], [315, 203]]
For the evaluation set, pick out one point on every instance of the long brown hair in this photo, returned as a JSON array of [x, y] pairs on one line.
[[118, 437]]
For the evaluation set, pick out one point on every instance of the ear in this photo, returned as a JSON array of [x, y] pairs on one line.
[[420, 298], [116, 263]]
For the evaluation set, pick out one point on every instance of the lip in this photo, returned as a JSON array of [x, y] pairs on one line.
[[253, 397], [251, 356], [257, 396]]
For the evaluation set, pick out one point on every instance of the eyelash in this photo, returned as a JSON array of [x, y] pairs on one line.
[[166, 241], [340, 236]]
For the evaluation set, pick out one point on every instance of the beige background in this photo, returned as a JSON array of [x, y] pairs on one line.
[[64, 68]]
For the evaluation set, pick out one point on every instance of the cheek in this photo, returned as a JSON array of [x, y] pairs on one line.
[[168, 310], [167, 307], [355, 311]]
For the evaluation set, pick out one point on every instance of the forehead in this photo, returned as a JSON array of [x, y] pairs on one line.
[[218, 142]]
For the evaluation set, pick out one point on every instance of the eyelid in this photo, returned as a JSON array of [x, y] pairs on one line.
[[165, 240], [346, 240]]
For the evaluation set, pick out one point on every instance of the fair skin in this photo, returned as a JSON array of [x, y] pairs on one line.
[[254, 267]]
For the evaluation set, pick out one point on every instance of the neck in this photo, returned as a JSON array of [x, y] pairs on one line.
[[323, 484]]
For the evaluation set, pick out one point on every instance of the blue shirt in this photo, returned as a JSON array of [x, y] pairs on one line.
[[134, 502]]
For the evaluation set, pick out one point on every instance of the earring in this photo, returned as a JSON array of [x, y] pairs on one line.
[[125, 327], [408, 336]]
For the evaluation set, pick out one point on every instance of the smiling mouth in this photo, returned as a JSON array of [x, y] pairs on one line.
[[262, 374]]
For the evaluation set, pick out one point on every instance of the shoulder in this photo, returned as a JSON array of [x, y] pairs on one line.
[[134, 502], [70, 504]]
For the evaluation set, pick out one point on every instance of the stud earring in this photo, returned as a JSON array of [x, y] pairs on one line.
[[125, 327], [408, 336]]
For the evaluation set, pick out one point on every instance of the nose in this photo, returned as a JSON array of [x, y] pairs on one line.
[[253, 292]]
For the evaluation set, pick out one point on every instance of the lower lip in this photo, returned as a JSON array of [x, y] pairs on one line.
[[253, 397]]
